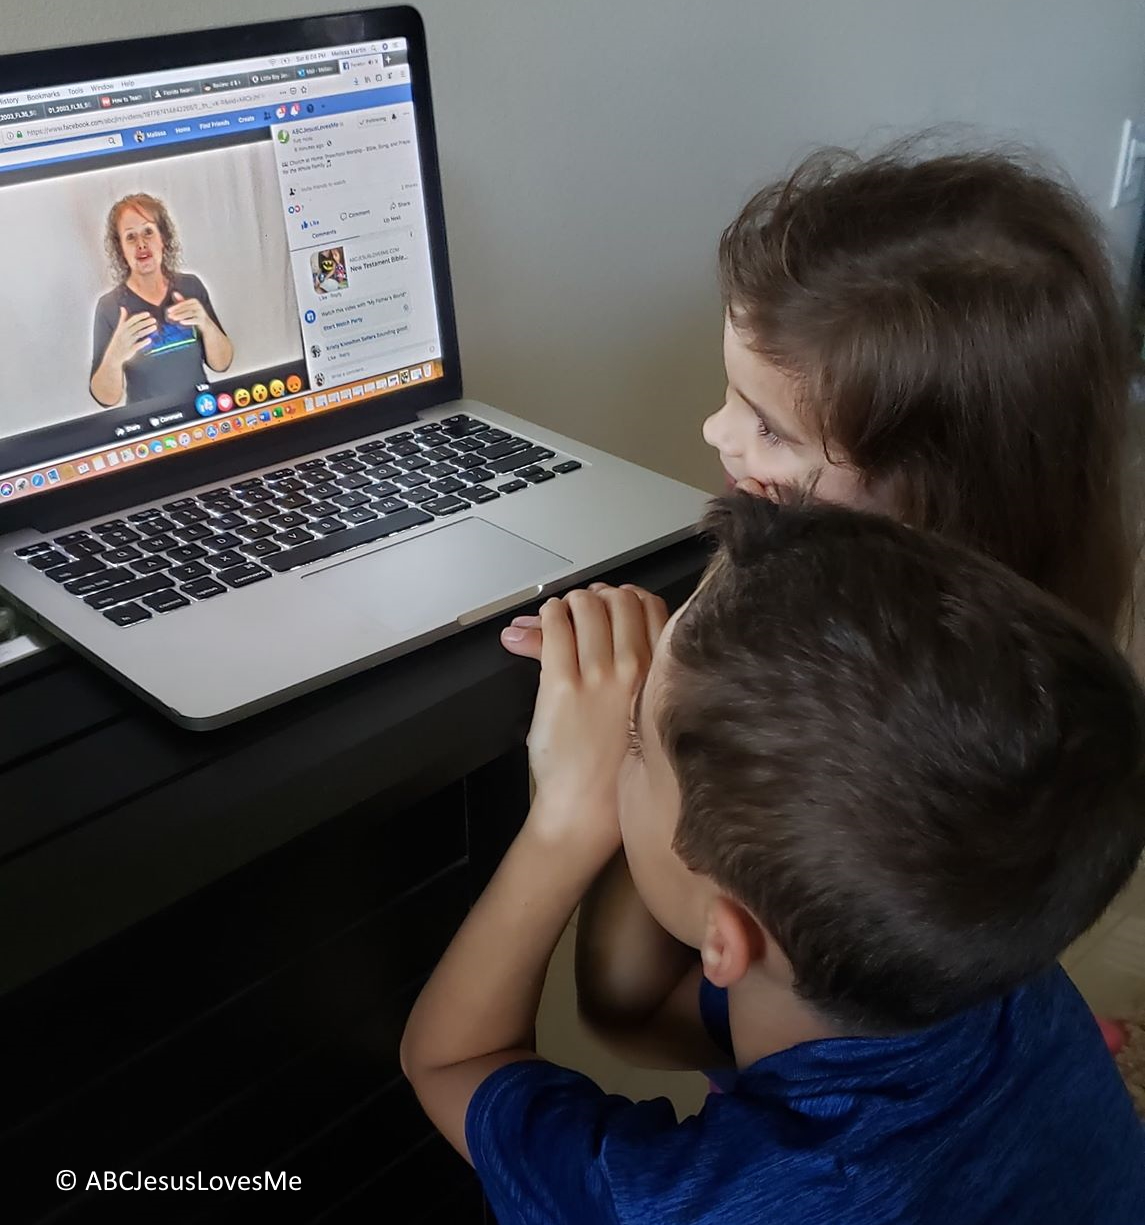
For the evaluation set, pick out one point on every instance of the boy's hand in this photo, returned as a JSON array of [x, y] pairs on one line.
[[522, 636], [596, 649]]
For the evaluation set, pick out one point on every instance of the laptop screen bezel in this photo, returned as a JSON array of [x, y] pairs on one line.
[[39, 69]]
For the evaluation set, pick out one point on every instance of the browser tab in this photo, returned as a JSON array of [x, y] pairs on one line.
[[218, 84], [184, 89], [124, 97], [73, 106], [21, 114]]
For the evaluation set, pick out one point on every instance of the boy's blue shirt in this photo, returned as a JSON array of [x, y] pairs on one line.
[[1011, 1113]]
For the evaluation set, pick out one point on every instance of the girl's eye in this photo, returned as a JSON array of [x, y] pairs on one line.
[[766, 434], [634, 746]]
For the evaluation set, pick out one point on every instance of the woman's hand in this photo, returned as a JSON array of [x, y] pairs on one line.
[[522, 636], [190, 312], [131, 336]]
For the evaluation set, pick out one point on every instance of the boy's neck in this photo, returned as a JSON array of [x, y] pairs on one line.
[[767, 1018]]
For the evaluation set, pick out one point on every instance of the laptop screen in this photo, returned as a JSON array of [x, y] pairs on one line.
[[208, 252]]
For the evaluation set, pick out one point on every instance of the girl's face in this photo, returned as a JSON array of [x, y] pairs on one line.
[[761, 437]]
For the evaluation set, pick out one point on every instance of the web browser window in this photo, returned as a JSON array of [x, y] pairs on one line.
[[206, 252]]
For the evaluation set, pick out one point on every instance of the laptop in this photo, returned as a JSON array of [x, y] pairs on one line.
[[235, 458]]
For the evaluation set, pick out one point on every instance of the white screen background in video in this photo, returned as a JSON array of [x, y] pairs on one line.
[[227, 211]]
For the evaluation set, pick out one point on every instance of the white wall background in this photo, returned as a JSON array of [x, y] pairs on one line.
[[592, 151], [235, 244]]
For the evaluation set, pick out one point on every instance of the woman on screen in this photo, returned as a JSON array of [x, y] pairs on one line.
[[156, 329]]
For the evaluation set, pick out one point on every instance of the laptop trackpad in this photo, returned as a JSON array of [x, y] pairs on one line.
[[445, 575]]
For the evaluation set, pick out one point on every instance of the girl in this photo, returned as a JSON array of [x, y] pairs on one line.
[[938, 340]]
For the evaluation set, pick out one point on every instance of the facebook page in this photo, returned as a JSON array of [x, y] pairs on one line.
[[205, 253]]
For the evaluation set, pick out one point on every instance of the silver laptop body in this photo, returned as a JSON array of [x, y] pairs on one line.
[[369, 510]]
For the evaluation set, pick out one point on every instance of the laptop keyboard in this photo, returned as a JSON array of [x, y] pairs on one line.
[[168, 557]]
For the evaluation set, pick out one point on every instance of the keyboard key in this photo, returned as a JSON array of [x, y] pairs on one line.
[[244, 575], [347, 467], [522, 459], [337, 456], [123, 592], [221, 541], [569, 465], [255, 531], [469, 461], [154, 525], [45, 560], [294, 485], [440, 454], [459, 427], [165, 601], [292, 501], [187, 552], [318, 476], [259, 548], [262, 510], [478, 476], [492, 435], [112, 525], [189, 514], [214, 495], [179, 504], [535, 478], [224, 561], [327, 527], [120, 557], [512, 486], [411, 463], [479, 493], [354, 481], [185, 573], [151, 565], [142, 516], [41, 546], [99, 581], [228, 522], [436, 471], [350, 500], [254, 494], [74, 569], [223, 508], [383, 489], [204, 588], [87, 547], [363, 534], [401, 450], [326, 490], [128, 614], [116, 538], [387, 506], [360, 514], [383, 471], [159, 544], [448, 485], [279, 474], [410, 480], [293, 519], [294, 537], [250, 482], [499, 450], [445, 506], [192, 532], [377, 444], [531, 470], [309, 465], [417, 496], [320, 510], [465, 444]]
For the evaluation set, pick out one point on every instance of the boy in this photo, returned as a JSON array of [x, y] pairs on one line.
[[879, 782]]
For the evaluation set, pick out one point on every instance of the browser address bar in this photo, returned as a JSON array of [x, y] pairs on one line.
[[43, 153], [185, 108]]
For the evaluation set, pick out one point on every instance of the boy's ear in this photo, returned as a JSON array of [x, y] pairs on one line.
[[733, 941]]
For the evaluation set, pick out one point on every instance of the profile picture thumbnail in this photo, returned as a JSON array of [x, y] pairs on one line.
[[328, 270]]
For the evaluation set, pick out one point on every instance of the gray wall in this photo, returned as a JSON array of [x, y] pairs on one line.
[[593, 149]]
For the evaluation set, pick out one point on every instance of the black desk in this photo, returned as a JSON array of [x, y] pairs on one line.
[[211, 940]]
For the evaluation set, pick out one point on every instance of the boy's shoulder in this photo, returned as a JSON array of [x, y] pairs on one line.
[[1014, 1103]]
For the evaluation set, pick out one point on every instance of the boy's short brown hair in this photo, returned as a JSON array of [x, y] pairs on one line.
[[954, 329], [923, 776]]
